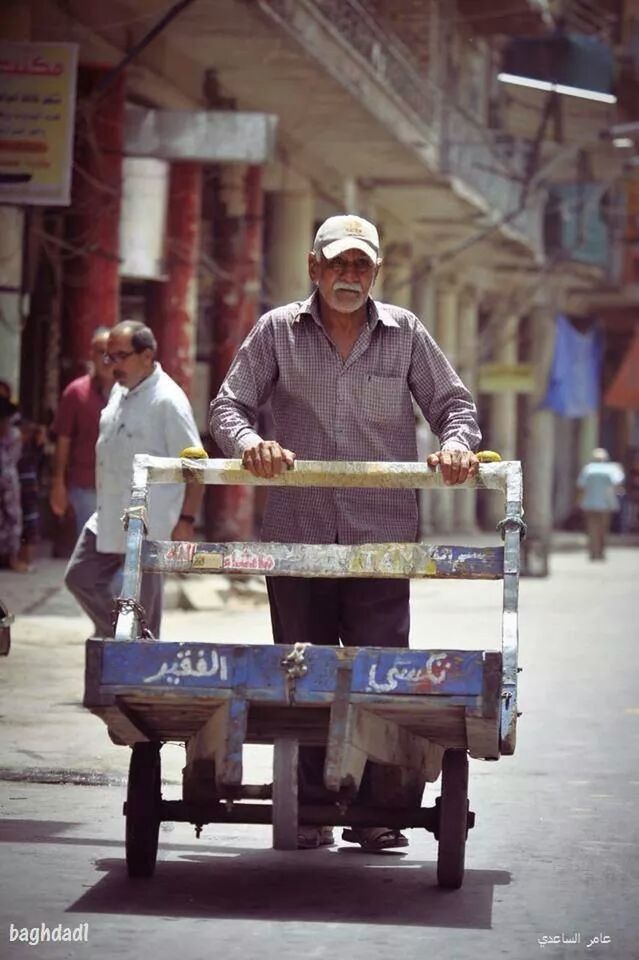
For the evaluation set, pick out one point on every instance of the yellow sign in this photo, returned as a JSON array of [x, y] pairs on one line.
[[506, 378], [210, 561], [37, 113]]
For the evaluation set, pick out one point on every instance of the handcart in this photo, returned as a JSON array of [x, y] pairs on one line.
[[415, 713]]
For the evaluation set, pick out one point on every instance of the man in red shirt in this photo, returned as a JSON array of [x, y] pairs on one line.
[[76, 427]]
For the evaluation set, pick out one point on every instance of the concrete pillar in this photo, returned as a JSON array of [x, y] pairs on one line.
[[11, 246], [176, 303], [92, 283], [424, 306], [539, 450], [446, 330], [501, 434], [396, 274], [465, 506], [238, 250], [588, 437], [424, 296], [395, 280], [291, 222]]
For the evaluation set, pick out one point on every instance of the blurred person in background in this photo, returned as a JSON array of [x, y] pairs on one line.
[[148, 413], [599, 486], [30, 467], [76, 428], [10, 505]]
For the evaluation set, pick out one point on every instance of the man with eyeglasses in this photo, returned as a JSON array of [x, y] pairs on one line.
[[147, 413], [341, 371], [76, 425]]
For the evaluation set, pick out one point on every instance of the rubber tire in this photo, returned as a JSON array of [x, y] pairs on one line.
[[453, 820], [143, 809]]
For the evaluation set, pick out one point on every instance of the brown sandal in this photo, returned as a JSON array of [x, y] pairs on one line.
[[373, 839]]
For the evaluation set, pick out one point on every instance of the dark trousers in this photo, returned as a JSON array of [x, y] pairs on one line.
[[597, 528], [89, 577], [357, 613]]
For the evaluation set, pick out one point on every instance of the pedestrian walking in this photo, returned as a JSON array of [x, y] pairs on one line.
[[30, 469], [598, 488], [148, 413], [341, 371], [10, 502], [76, 430]]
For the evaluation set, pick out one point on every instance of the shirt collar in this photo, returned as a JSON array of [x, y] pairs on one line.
[[147, 382], [376, 311]]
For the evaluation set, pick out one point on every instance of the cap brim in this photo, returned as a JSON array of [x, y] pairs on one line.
[[349, 243]]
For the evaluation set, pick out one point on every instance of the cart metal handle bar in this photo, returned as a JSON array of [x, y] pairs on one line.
[[504, 476]]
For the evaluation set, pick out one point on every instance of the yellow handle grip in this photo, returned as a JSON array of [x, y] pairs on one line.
[[194, 453]]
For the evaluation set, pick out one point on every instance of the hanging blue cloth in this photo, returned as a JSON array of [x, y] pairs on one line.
[[575, 374]]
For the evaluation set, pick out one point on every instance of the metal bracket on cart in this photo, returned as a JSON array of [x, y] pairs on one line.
[[516, 522], [295, 667], [130, 605]]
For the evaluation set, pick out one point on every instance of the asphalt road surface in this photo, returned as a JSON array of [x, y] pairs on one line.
[[552, 866]]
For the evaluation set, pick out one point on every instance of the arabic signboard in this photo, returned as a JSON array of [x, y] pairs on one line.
[[506, 378], [37, 112]]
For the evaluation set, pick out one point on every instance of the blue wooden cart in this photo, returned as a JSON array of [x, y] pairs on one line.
[[415, 713]]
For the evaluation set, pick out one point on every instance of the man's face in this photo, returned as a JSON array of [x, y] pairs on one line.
[[98, 348], [345, 281], [129, 367]]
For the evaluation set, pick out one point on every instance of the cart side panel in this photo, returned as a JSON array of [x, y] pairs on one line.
[[438, 672]]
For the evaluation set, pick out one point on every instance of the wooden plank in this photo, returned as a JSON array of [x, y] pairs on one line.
[[368, 736], [285, 793], [214, 753], [388, 560], [122, 729], [390, 743], [344, 765]]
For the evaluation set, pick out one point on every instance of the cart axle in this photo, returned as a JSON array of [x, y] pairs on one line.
[[330, 815]]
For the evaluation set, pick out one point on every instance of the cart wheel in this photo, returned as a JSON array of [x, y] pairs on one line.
[[453, 820], [285, 801], [143, 809]]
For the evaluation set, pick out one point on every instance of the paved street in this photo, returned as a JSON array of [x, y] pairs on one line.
[[555, 850]]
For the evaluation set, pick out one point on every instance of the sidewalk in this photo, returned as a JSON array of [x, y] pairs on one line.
[[42, 591]]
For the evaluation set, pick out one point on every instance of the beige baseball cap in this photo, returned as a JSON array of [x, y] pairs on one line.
[[347, 232]]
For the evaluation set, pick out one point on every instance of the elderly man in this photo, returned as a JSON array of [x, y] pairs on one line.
[[341, 371], [76, 428], [599, 485], [149, 413]]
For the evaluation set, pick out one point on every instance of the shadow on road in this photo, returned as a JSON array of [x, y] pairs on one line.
[[340, 885]]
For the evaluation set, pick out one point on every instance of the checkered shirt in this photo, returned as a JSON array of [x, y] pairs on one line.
[[326, 408]]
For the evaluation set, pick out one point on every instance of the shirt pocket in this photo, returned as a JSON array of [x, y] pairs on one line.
[[382, 398]]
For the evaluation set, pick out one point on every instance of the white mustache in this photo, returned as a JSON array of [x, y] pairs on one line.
[[352, 287]]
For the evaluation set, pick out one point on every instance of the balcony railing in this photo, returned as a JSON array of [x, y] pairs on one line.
[[351, 24], [464, 147]]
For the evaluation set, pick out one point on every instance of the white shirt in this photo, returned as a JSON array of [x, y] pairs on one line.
[[154, 418], [599, 482]]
